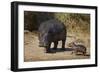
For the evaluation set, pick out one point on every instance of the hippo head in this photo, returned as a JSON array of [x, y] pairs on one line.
[[43, 39]]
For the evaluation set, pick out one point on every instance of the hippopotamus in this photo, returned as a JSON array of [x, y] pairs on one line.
[[50, 31]]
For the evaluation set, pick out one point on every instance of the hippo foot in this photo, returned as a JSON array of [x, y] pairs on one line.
[[50, 51], [63, 49], [54, 49]]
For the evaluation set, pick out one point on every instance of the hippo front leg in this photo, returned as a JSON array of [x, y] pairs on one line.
[[55, 45], [48, 48]]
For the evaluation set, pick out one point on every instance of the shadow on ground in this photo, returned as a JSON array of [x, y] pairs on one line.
[[65, 49], [61, 49]]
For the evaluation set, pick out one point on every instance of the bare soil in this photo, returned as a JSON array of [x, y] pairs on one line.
[[32, 52]]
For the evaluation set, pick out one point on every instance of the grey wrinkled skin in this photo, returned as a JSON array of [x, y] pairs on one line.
[[52, 31]]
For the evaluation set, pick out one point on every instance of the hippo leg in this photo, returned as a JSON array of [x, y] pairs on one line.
[[63, 44], [48, 49], [55, 45]]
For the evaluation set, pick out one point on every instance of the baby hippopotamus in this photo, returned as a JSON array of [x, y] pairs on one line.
[[78, 48]]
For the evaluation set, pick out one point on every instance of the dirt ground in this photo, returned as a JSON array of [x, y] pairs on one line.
[[32, 52]]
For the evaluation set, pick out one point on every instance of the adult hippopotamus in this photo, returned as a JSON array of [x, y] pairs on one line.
[[52, 31]]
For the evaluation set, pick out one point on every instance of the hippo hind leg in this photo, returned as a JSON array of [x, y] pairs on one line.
[[63, 44]]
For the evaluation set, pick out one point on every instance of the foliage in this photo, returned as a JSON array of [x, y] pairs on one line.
[[74, 22]]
